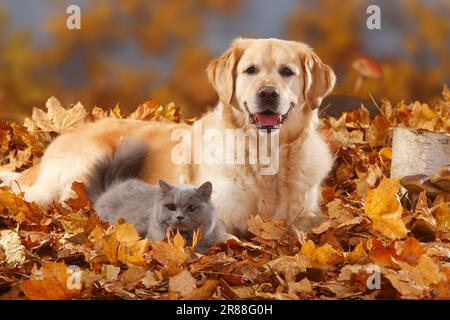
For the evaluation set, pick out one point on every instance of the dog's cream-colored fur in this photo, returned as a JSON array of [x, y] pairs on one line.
[[239, 191]]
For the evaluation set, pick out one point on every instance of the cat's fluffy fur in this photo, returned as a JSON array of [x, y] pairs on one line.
[[116, 192]]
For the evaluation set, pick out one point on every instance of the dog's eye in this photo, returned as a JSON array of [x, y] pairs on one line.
[[286, 72], [171, 207], [250, 70], [191, 208]]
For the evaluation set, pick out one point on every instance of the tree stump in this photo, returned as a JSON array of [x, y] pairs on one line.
[[418, 152]]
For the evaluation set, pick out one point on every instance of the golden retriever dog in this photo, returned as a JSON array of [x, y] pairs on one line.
[[268, 85]]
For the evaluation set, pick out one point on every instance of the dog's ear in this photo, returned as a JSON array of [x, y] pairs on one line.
[[221, 72], [319, 79]]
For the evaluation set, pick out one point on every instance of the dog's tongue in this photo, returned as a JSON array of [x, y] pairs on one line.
[[267, 120]]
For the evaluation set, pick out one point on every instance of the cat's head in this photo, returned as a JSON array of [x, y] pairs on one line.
[[186, 207]]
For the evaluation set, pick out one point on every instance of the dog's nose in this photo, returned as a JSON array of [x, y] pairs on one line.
[[268, 94]]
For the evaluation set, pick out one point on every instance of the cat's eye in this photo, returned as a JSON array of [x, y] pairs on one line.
[[171, 207], [286, 72], [250, 70], [191, 208]]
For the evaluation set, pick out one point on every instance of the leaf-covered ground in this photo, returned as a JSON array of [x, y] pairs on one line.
[[373, 232]]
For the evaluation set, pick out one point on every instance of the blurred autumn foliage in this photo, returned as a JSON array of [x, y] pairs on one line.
[[152, 28], [416, 72], [88, 64]]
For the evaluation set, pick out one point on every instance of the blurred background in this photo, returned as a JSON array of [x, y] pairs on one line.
[[129, 51]]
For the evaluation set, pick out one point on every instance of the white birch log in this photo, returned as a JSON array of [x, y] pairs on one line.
[[418, 152]]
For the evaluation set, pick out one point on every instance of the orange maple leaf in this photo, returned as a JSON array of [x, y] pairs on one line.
[[52, 283]]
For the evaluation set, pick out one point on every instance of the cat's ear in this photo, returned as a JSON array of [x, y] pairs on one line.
[[165, 187], [205, 189]]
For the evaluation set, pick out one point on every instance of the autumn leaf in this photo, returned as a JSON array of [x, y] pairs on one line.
[[123, 244], [289, 266], [381, 255], [386, 153], [425, 273], [145, 111], [182, 283], [116, 112], [126, 233], [412, 281], [171, 254], [324, 254], [269, 230], [169, 112], [441, 211], [384, 209], [423, 117], [205, 291], [51, 283], [412, 251], [19, 208], [12, 248], [57, 119], [303, 287], [82, 199], [110, 272], [359, 253], [132, 276]]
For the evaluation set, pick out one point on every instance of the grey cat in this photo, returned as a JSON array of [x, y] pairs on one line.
[[116, 192]]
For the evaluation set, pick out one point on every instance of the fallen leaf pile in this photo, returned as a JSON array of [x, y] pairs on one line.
[[374, 245]]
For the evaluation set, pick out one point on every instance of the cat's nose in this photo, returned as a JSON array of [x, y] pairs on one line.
[[180, 218]]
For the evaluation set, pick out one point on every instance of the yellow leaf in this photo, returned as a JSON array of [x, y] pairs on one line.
[[422, 117], [196, 237], [425, 273], [308, 249], [117, 112], [126, 232], [386, 153], [325, 254], [123, 245], [178, 240], [357, 253], [136, 253], [442, 214], [110, 246], [384, 209], [19, 208]]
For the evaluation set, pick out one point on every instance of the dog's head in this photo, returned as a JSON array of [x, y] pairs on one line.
[[267, 78]]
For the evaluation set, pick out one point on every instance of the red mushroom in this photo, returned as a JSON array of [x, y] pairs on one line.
[[366, 69]]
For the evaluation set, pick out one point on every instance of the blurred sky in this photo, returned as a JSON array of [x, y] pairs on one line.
[[257, 18]]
